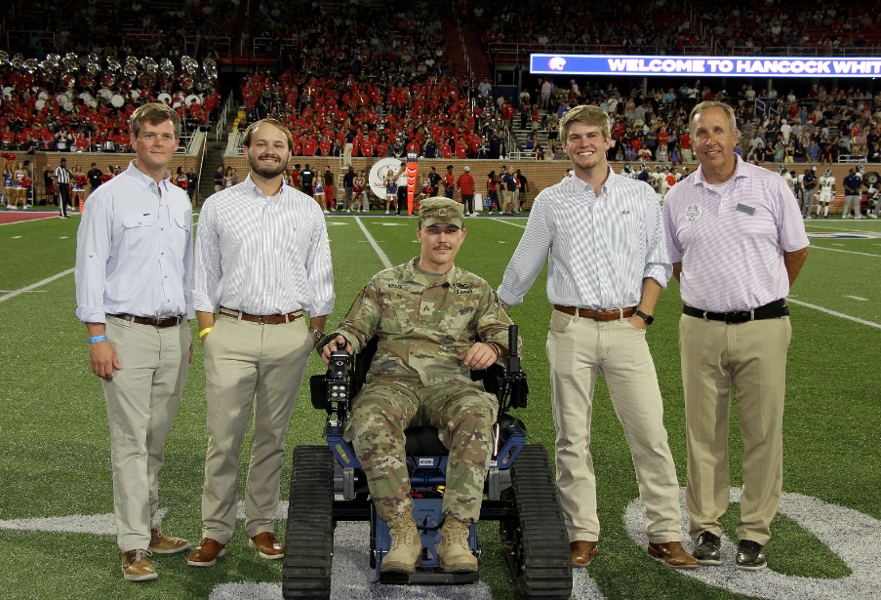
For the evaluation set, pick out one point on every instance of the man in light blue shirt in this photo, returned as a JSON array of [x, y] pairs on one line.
[[134, 269]]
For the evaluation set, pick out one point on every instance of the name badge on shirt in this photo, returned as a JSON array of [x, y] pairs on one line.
[[746, 209]]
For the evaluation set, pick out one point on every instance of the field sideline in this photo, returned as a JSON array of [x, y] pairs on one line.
[[55, 448]]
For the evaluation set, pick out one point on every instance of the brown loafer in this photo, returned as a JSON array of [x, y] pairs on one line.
[[674, 555], [582, 552], [206, 553], [267, 545]]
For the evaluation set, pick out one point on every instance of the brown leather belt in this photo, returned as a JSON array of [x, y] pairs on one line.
[[262, 319], [161, 322], [598, 315]]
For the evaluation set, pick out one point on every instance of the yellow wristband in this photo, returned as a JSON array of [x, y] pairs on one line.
[[204, 332]]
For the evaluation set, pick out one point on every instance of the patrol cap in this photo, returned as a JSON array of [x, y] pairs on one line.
[[440, 210]]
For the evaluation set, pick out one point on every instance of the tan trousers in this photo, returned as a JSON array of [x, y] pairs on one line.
[[142, 399], [717, 359], [248, 364], [578, 349]]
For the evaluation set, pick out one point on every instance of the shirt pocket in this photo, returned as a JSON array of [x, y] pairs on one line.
[[621, 235], [180, 232], [138, 234], [395, 316]]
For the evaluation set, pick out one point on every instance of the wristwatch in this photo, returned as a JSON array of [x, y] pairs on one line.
[[317, 333], [647, 318]]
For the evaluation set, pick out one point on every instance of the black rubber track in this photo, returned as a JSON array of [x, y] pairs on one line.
[[536, 544], [309, 539]]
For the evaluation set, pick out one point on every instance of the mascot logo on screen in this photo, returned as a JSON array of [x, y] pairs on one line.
[[557, 63]]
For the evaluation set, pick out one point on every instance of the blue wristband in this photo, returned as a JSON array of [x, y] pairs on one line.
[[97, 338]]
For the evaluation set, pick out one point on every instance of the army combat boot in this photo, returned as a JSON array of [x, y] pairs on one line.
[[406, 545], [453, 552]]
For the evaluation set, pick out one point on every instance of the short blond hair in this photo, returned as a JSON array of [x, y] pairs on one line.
[[156, 113], [589, 115], [712, 104], [246, 140]]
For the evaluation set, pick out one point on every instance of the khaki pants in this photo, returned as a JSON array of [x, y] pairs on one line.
[[717, 359], [142, 399], [249, 365], [578, 349]]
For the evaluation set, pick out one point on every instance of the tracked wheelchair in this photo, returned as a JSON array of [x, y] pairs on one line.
[[328, 485]]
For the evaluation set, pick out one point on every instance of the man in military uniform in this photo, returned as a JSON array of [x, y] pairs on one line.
[[427, 314]]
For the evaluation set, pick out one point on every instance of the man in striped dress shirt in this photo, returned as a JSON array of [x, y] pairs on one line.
[[607, 255], [737, 241], [262, 258]]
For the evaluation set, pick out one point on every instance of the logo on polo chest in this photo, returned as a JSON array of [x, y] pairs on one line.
[[693, 212]]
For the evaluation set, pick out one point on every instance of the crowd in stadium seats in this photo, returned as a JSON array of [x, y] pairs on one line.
[[385, 116], [338, 41], [108, 28], [41, 112], [843, 123], [640, 28]]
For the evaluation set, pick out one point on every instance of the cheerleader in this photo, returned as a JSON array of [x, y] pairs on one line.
[[360, 193], [9, 185], [181, 179], [20, 191], [391, 189], [318, 192], [77, 187]]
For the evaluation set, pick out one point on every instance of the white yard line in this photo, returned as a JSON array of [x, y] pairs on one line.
[[835, 313], [845, 251], [385, 261], [507, 222], [35, 285]]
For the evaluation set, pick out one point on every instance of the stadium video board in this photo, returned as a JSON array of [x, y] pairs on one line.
[[703, 66]]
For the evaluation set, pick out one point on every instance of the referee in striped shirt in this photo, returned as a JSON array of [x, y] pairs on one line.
[[62, 187], [608, 263]]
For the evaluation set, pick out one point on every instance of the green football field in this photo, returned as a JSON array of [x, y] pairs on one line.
[[55, 484]]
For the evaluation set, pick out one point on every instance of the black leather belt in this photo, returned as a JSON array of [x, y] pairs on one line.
[[160, 322], [772, 310]]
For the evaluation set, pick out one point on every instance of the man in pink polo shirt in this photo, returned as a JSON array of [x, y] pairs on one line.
[[737, 241]]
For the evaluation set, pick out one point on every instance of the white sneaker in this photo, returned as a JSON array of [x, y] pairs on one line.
[[846, 216], [386, 212], [873, 216], [14, 207]]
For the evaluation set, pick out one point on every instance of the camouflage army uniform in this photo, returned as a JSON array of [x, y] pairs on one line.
[[424, 323]]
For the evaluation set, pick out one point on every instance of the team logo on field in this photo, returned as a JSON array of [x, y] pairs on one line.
[[693, 212]]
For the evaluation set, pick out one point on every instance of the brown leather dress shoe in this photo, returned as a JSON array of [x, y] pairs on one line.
[[206, 553], [674, 555], [137, 567], [582, 552], [165, 544], [267, 545]]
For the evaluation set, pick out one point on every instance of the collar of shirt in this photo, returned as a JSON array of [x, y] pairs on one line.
[[258, 193], [578, 184], [428, 281], [699, 179], [146, 182]]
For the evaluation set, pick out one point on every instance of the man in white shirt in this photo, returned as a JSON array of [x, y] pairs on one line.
[[262, 258], [595, 283], [134, 270]]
